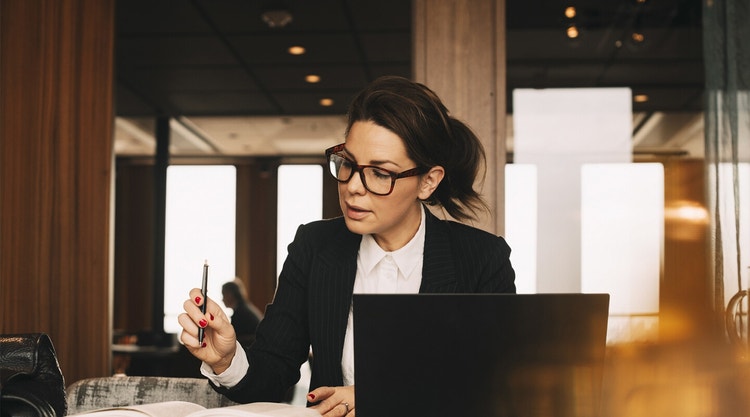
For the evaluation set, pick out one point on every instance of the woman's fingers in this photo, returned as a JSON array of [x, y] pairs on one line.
[[193, 319], [319, 394], [333, 401], [189, 336]]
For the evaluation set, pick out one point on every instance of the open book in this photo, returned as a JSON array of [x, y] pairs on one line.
[[188, 409]]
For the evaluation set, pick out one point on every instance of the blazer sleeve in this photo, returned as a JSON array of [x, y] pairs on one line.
[[463, 259], [282, 339]]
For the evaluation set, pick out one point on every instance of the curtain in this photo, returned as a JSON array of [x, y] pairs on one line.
[[726, 43]]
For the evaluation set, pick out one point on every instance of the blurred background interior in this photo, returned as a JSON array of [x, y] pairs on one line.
[[230, 103]]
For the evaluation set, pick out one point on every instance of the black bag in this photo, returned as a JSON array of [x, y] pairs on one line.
[[31, 383]]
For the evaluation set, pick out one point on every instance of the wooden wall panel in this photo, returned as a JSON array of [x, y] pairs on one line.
[[56, 66], [134, 248], [685, 292], [459, 52], [256, 229]]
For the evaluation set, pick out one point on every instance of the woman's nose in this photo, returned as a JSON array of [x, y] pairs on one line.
[[355, 184]]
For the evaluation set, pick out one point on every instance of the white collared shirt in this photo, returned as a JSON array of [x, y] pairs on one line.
[[381, 272], [378, 272]]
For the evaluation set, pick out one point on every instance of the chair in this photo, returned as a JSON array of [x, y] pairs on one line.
[[31, 383], [92, 393], [736, 320]]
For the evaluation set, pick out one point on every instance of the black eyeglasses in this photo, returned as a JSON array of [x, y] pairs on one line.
[[376, 180]]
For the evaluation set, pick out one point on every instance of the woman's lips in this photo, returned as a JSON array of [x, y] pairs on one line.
[[356, 213]]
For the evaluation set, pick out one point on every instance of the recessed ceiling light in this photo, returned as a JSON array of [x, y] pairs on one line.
[[276, 18], [638, 37], [640, 98], [312, 78], [326, 102], [296, 50], [572, 31], [570, 12]]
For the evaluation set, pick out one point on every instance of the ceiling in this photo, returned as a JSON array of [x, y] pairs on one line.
[[229, 86]]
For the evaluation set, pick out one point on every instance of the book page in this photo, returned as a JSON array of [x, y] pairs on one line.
[[163, 409], [260, 409]]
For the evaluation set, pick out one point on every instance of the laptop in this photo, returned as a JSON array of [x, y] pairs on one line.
[[488, 355]]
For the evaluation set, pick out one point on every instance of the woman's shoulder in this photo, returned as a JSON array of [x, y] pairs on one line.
[[332, 225], [465, 235], [333, 228], [459, 229]]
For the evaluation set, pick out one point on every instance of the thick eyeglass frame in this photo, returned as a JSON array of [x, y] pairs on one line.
[[336, 150]]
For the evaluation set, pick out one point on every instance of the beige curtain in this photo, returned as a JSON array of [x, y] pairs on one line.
[[726, 44]]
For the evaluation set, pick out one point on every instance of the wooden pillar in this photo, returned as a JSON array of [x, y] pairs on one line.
[[459, 52], [256, 229], [56, 156]]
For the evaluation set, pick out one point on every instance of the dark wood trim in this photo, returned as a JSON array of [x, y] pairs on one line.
[[56, 153]]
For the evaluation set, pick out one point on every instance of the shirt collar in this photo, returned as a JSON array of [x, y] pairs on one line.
[[406, 258]]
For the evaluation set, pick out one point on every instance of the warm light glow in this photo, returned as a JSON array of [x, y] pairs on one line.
[[570, 12], [637, 37], [326, 102], [640, 98], [312, 78], [296, 50], [572, 32], [686, 211]]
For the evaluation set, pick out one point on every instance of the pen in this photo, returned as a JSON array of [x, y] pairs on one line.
[[204, 293]]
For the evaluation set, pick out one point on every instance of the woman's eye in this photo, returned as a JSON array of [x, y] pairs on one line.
[[381, 174]]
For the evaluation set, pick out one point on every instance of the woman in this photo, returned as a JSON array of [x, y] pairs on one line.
[[402, 151], [245, 316]]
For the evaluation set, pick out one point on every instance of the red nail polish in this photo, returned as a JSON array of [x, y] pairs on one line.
[[204, 344], [211, 316], [312, 396], [203, 323], [198, 300]]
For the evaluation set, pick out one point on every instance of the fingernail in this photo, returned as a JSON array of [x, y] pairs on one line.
[[198, 300], [312, 396], [211, 316], [204, 344], [203, 323]]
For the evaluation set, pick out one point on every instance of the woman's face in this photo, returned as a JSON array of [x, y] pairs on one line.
[[392, 219]]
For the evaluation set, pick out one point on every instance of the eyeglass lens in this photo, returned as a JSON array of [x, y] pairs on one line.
[[375, 180]]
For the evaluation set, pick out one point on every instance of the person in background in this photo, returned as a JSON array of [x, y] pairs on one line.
[[403, 152], [245, 316]]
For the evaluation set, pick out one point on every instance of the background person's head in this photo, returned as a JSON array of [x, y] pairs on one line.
[[232, 294]]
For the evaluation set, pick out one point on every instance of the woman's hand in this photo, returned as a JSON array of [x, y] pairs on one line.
[[219, 340], [333, 401]]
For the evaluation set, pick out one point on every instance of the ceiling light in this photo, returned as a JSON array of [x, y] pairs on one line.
[[312, 78], [640, 98], [276, 18], [572, 31], [570, 12], [326, 102], [637, 37], [296, 50]]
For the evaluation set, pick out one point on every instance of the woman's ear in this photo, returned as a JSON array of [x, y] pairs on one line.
[[430, 181]]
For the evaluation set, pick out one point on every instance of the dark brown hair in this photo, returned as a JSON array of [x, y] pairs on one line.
[[431, 135]]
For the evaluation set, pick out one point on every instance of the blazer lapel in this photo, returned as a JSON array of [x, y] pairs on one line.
[[438, 269], [333, 294]]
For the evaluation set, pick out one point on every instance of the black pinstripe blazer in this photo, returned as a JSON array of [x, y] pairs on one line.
[[312, 300]]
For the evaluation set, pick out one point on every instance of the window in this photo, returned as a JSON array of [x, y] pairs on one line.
[[300, 200], [200, 226]]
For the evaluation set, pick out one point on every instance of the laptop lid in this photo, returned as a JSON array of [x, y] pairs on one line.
[[479, 354]]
